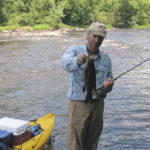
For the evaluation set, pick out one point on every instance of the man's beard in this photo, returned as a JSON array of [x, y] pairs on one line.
[[95, 50]]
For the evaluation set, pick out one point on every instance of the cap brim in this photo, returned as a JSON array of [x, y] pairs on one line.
[[100, 33]]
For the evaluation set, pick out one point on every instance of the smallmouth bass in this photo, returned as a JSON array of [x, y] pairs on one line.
[[89, 78]]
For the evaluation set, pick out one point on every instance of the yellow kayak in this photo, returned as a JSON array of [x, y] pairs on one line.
[[38, 142]]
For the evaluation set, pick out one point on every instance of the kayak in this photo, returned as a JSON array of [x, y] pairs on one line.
[[37, 142]]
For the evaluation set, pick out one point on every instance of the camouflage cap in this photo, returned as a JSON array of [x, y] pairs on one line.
[[97, 28]]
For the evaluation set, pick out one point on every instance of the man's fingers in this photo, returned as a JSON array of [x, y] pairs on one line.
[[111, 81], [84, 55], [81, 58], [107, 82]]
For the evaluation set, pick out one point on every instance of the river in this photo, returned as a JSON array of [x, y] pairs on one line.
[[32, 83]]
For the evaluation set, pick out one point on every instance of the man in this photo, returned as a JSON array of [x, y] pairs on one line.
[[85, 120]]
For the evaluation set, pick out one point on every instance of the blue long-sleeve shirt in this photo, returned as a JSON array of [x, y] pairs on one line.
[[103, 68]]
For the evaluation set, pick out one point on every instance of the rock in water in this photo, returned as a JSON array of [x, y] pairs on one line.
[[89, 78]]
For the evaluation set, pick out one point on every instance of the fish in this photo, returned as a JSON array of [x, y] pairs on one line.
[[89, 78]]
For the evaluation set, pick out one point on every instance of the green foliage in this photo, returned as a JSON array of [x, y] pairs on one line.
[[42, 27], [2, 18], [123, 17], [25, 12], [44, 14], [1, 29], [28, 29], [12, 27], [143, 14], [141, 26]]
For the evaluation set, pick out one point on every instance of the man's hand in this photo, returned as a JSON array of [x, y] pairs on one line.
[[81, 59], [108, 84]]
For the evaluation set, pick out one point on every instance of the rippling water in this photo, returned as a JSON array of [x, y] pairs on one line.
[[32, 83]]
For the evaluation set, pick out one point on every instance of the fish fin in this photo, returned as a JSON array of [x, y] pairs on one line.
[[83, 89]]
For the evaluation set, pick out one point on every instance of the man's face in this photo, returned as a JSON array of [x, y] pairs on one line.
[[94, 42]]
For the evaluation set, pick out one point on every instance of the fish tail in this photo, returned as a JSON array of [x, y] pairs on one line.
[[88, 97]]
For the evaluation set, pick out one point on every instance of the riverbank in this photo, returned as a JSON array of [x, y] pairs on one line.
[[30, 31]]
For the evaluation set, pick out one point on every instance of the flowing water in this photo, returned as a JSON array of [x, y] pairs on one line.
[[32, 83]]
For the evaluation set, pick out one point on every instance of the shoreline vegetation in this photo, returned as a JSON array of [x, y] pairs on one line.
[[33, 16], [46, 30]]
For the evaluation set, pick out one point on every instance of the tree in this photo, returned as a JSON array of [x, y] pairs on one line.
[[124, 14], [2, 18], [143, 13], [118, 13], [30, 12]]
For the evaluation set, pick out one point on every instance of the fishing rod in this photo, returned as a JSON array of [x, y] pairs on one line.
[[101, 90], [130, 69]]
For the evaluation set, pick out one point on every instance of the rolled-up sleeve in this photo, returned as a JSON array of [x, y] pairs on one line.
[[69, 60]]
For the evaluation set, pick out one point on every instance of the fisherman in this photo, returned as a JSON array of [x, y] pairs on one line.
[[85, 120]]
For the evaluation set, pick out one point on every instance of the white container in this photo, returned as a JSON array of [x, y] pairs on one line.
[[16, 126]]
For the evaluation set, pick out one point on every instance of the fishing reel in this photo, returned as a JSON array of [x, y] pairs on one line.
[[101, 93]]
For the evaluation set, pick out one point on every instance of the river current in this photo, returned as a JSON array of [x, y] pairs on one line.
[[32, 84]]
